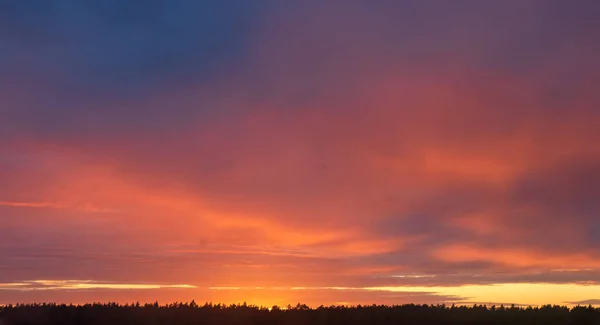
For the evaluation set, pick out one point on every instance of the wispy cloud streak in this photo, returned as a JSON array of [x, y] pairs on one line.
[[54, 205], [34, 285]]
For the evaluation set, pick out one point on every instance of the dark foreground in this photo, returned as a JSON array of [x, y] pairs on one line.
[[183, 314]]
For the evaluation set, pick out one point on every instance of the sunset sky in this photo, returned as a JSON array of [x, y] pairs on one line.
[[284, 151]]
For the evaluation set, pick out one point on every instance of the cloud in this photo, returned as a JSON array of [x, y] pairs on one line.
[[86, 208], [84, 285], [31, 204], [143, 46], [316, 145], [585, 302]]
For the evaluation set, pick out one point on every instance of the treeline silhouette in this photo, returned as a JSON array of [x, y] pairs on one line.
[[242, 314]]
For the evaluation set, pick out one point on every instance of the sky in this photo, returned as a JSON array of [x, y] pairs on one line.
[[322, 152]]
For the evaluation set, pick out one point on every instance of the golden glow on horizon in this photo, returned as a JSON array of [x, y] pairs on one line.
[[522, 293], [534, 294]]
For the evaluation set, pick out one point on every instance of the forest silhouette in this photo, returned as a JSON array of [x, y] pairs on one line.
[[243, 314]]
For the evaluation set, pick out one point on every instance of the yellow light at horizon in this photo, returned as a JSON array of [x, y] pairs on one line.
[[519, 293], [534, 294]]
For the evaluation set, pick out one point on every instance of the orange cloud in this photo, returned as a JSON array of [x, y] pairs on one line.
[[518, 257]]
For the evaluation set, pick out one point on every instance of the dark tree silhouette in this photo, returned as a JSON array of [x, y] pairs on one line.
[[179, 313]]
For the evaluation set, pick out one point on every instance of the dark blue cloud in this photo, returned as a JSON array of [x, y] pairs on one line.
[[124, 46], [74, 69], [81, 60]]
